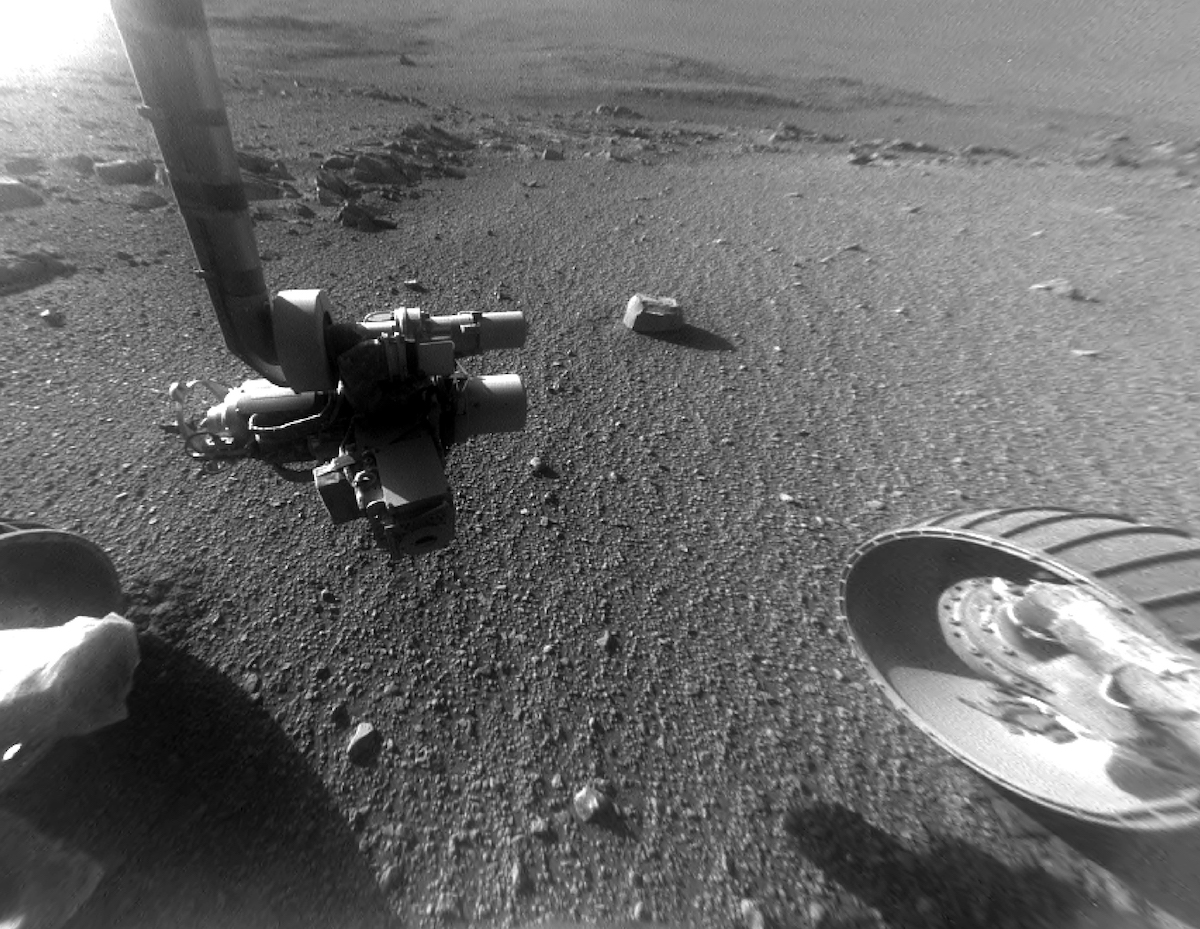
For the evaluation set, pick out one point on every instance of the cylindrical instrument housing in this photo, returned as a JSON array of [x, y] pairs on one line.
[[492, 403]]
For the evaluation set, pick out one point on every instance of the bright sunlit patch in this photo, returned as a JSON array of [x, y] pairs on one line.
[[40, 35], [12, 751]]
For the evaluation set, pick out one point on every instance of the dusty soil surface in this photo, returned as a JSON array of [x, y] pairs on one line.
[[657, 618]]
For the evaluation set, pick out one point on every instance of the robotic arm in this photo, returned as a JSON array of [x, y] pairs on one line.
[[376, 405]]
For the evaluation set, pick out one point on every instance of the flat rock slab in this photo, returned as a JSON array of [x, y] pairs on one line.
[[23, 270], [126, 171]]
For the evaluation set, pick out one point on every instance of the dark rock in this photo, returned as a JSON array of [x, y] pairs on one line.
[[436, 137], [15, 195], [353, 216], [338, 163], [259, 187], [617, 112], [364, 745], [383, 169], [83, 164], [146, 200], [24, 164], [126, 171], [786, 132], [608, 642], [335, 185], [255, 163], [1061, 287], [23, 270], [55, 319], [983, 151], [552, 154], [45, 882], [327, 197]]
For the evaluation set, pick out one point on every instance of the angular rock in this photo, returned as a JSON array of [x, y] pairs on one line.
[[608, 642], [353, 216], [15, 195], [552, 154], [258, 187], [327, 181], [541, 828], [383, 169], [436, 137], [125, 171], [645, 313], [591, 805], [55, 319], [364, 744], [255, 163], [146, 200]]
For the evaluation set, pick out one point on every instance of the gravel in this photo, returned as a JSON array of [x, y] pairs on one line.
[[745, 768]]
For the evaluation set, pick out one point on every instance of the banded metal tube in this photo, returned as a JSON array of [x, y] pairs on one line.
[[169, 50]]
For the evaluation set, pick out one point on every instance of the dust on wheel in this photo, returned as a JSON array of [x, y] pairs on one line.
[[894, 594]]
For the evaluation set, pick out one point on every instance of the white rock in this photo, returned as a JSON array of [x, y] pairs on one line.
[[645, 313], [590, 805], [752, 915]]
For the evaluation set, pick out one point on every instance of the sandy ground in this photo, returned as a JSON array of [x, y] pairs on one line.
[[864, 339]]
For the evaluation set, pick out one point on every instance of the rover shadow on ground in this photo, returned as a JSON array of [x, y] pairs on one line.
[[201, 812]]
